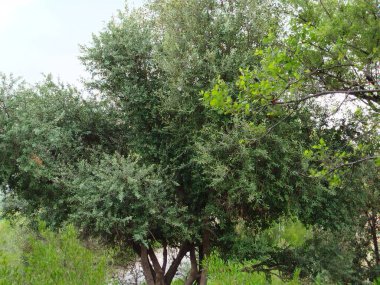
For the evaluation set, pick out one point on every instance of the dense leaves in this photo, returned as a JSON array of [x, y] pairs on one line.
[[45, 257]]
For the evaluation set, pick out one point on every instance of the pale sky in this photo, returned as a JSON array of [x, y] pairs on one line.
[[43, 36]]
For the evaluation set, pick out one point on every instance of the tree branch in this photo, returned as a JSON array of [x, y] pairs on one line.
[[324, 8], [176, 262], [358, 93], [145, 264], [353, 163], [165, 257], [194, 273], [156, 266]]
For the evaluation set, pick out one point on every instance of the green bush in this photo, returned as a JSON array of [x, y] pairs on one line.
[[236, 273], [47, 258]]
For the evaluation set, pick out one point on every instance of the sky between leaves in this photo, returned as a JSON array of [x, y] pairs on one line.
[[43, 36]]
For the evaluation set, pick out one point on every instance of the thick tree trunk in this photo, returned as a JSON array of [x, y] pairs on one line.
[[159, 280], [201, 258], [153, 272]]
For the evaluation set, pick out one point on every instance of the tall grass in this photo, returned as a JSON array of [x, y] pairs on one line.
[[45, 257]]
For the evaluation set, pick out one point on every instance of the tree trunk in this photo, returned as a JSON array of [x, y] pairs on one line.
[[153, 272], [176, 262], [145, 264], [157, 268], [201, 258]]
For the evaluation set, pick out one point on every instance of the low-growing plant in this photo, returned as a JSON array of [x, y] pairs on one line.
[[236, 273], [46, 257]]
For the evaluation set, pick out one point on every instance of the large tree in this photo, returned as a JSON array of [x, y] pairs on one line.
[[215, 170]]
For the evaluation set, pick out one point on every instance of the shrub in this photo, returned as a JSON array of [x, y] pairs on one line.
[[236, 273], [45, 257]]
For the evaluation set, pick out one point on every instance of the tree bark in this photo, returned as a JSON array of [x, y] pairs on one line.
[[194, 268], [165, 257], [146, 266], [176, 262], [159, 280], [201, 258]]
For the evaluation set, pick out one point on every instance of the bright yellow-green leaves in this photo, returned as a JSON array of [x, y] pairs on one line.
[[318, 50], [325, 46], [48, 258]]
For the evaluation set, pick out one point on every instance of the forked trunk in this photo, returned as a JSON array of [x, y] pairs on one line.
[[145, 264], [153, 272], [159, 280]]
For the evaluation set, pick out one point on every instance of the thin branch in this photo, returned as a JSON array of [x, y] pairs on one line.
[[274, 125], [353, 162], [324, 8], [348, 92], [5, 108], [340, 106], [165, 257]]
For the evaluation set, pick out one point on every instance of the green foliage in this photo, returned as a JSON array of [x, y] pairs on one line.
[[354, 140], [10, 240], [274, 249], [287, 233], [147, 162], [319, 53], [113, 196], [231, 272], [48, 258], [328, 47], [255, 173], [44, 130]]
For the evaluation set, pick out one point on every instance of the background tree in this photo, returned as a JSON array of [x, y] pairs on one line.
[[319, 54], [328, 48], [45, 129]]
